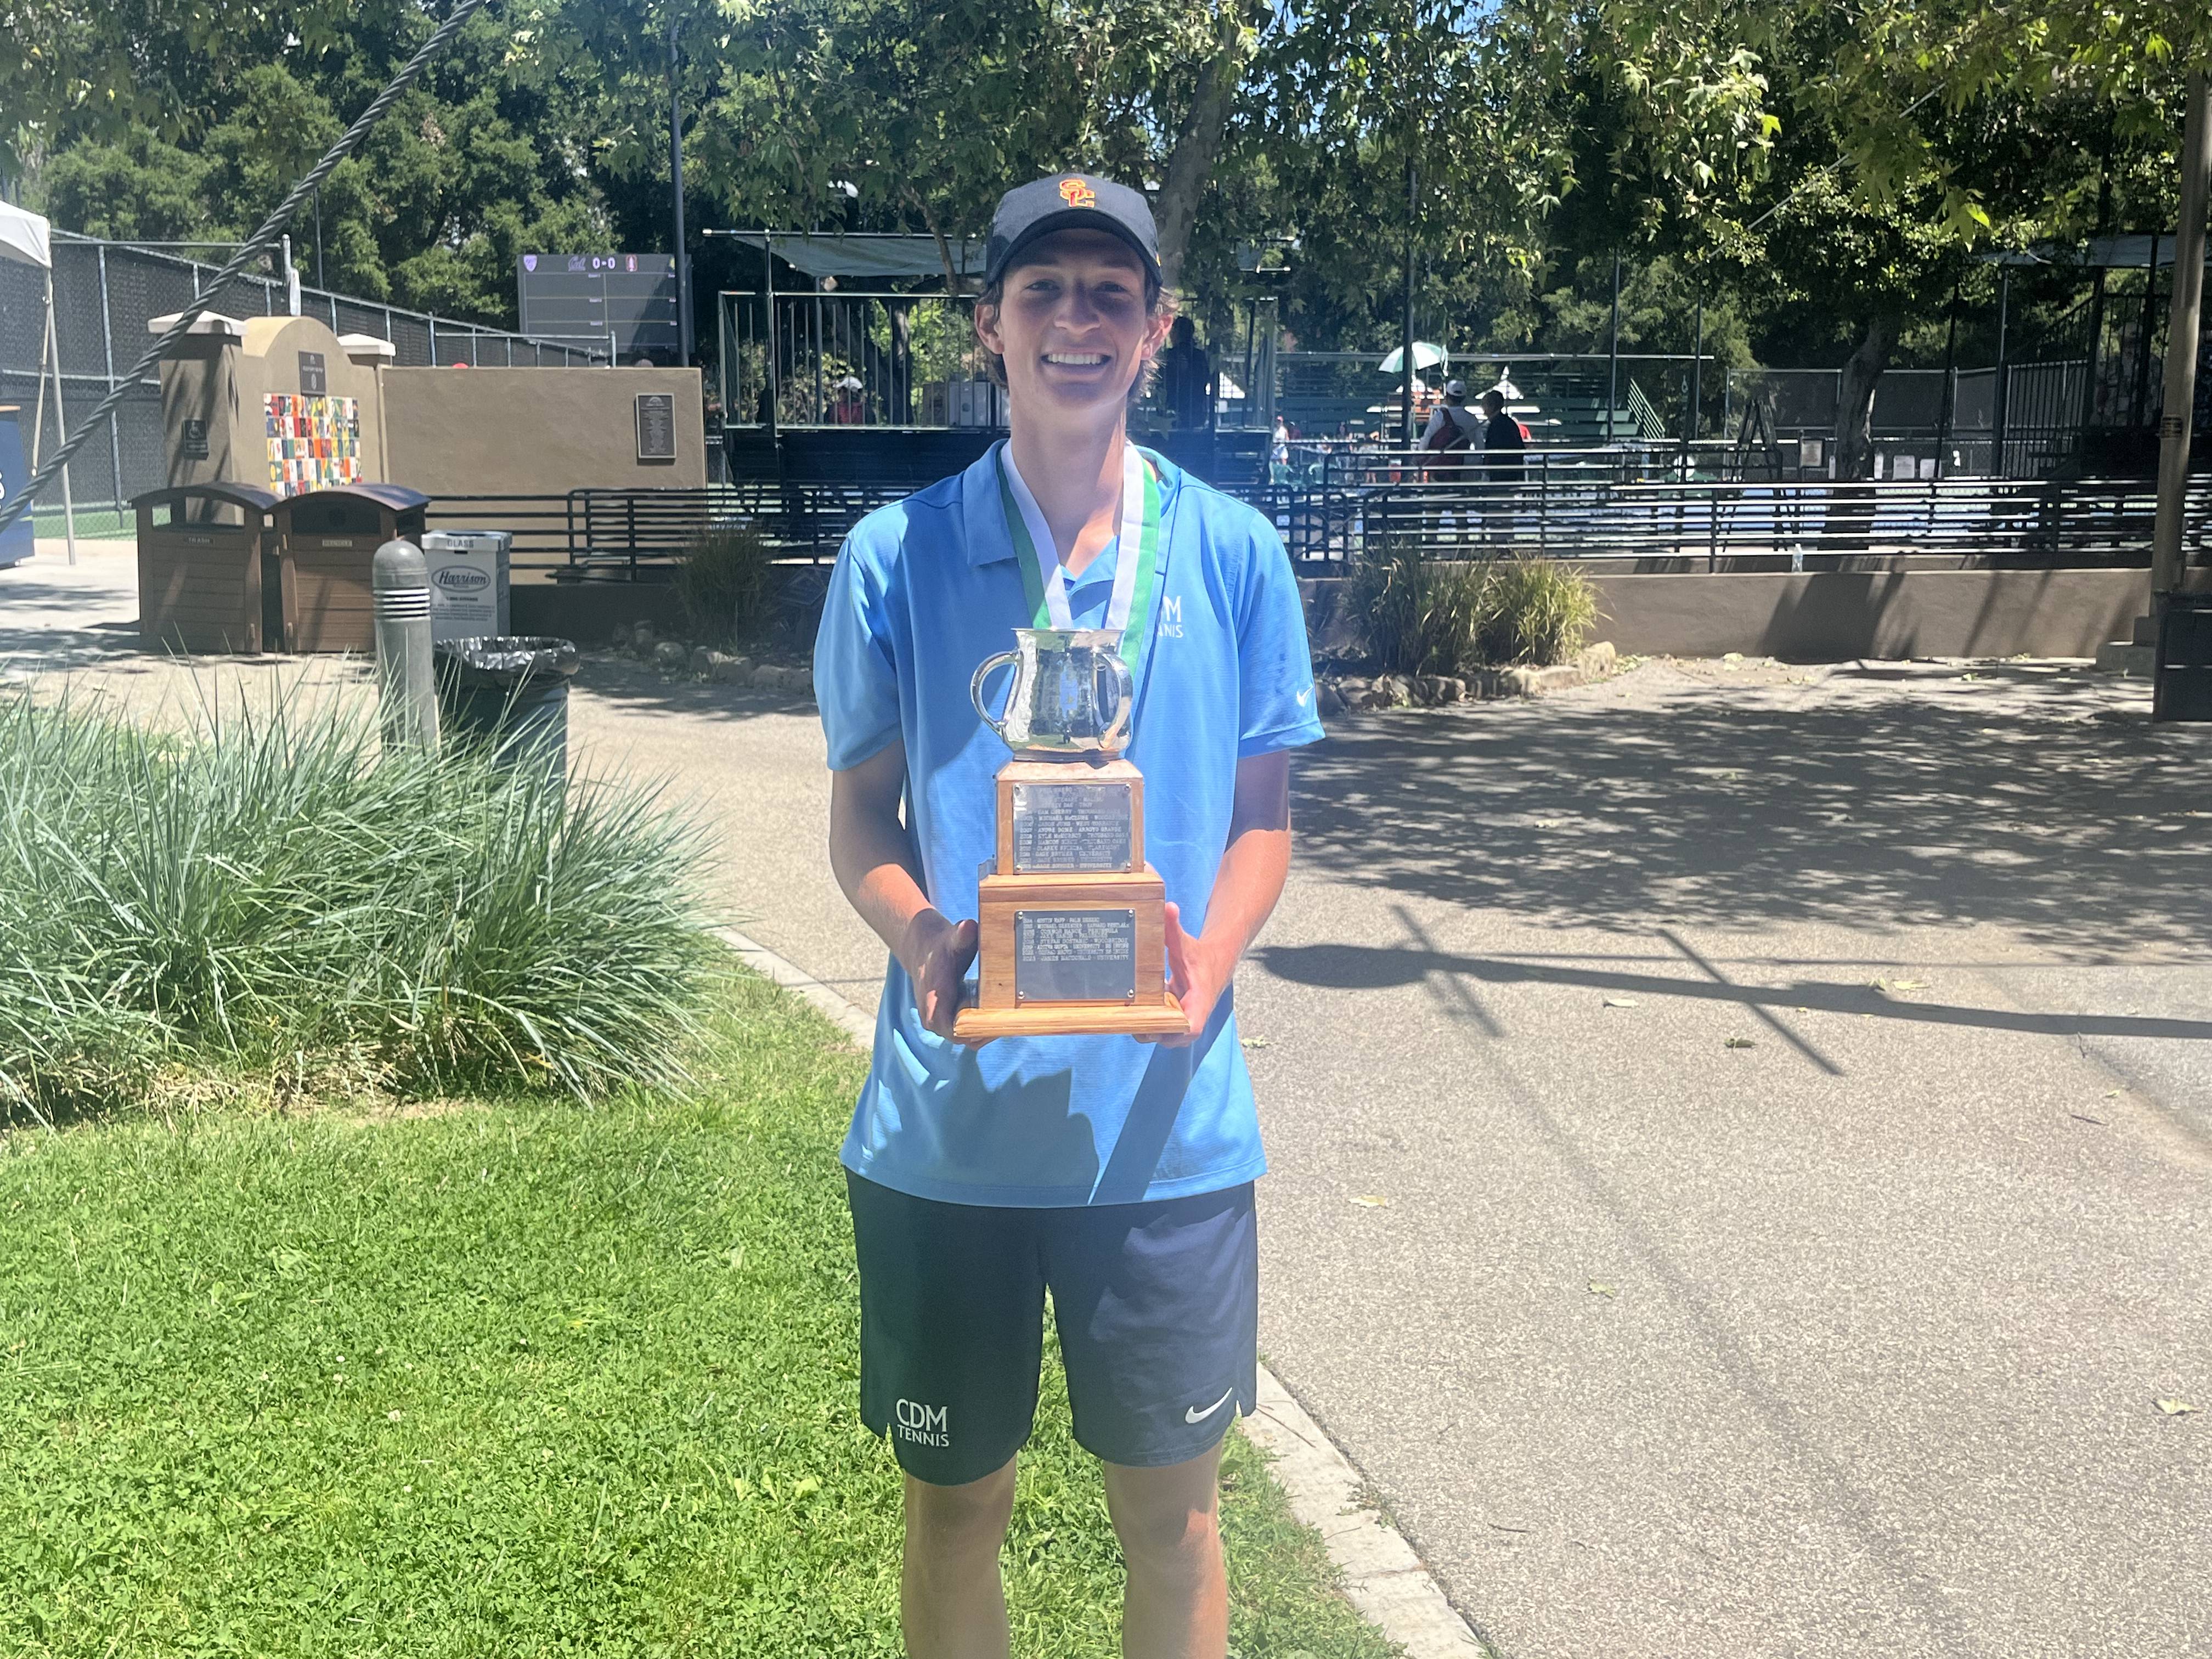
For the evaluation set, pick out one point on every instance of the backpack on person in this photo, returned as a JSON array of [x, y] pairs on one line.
[[1457, 434]]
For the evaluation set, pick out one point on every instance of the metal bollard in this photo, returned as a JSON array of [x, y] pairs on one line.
[[406, 691]]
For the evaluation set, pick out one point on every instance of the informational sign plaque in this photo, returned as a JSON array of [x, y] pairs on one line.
[[1075, 956], [314, 374], [656, 426], [1071, 826]]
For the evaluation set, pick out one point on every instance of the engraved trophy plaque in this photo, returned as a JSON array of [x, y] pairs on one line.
[[1073, 921]]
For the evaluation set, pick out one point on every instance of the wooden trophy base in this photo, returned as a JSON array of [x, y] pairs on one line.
[[974, 1024], [1071, 954]]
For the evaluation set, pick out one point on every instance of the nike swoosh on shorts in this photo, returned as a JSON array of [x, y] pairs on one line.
[[1192, 1414]]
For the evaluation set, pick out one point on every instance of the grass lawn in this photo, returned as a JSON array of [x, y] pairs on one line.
[[512, 1377]]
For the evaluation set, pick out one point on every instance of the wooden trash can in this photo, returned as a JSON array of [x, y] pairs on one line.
[[206, 578], [327, 538]]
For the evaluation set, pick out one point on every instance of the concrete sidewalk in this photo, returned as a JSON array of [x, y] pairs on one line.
[[1740, 1141], [1846, 1341]]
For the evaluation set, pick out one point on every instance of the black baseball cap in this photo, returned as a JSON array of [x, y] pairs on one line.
[[1070, 201]]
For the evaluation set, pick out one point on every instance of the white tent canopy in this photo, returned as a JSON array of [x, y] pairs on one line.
[[25, 238], [28, 240]]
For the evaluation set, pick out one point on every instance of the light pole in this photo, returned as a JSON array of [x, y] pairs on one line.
[[1613, 357], [1406, 334], [2183, 324], [676, 195]]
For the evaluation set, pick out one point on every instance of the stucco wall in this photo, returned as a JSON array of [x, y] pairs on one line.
[[1838, 615], [1834, 616], [222, 385], [534, 431]]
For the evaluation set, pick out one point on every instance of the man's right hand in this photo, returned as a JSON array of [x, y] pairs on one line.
[[935, 955]]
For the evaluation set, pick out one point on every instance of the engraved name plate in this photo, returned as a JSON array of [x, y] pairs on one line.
[[1071, 826], [1075, 956]]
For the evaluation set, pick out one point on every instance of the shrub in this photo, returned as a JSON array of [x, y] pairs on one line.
[[1533, 611], [1425, 616], [726, 584], [267, 890], [1417, 616]]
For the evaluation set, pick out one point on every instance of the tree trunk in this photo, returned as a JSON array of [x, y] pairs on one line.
[[953, 284], [1855, 397], [902, 401], [1198, 146]]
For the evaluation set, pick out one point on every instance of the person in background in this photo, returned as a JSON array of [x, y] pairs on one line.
[[1453, 427], [1452, 435], [1279, 453], [1504, 438], [1504, 442], [1187, 379]]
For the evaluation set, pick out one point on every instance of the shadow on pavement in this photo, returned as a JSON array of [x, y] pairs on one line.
[[630, 685], [2089, 836], [1371, 966]]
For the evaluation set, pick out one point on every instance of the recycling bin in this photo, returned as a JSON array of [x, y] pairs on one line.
[[208, 577], [327, 538], [510, 693], [2181, 675], [469, 581]]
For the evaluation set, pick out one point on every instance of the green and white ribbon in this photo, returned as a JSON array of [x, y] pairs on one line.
[[1136, 569]]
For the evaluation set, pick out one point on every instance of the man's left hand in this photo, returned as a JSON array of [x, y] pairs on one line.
[[1195, 978]]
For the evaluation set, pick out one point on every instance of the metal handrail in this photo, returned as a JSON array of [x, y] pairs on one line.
[[1581, 516]]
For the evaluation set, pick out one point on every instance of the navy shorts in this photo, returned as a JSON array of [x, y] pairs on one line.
[[1158, 1306]]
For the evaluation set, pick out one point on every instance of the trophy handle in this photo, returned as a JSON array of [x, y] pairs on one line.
[[1125, 697], [975, 691]]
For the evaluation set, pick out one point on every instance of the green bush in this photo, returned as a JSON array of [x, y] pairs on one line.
[[726, 585], [1418, 615], [264, 889], [1427, 615], [1534, 611]]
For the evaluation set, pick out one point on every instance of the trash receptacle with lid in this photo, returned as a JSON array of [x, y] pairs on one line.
[[329, 539], [207, 569], [509, 691], [2181, 675]]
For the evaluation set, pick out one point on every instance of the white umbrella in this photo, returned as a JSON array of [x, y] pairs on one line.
[[1425, 355], [28, 240]]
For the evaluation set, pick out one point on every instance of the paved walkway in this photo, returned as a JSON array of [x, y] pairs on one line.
[[1743, 1140]]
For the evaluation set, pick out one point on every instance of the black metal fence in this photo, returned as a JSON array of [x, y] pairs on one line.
[[1634, 508]]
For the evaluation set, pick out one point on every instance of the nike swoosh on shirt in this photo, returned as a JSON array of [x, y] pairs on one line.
[[1303, 695], [1192, 1414]]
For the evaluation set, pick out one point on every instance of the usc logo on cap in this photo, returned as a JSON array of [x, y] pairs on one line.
[[1076, 193]]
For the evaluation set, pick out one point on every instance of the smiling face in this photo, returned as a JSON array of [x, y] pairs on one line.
[[1071, 326]]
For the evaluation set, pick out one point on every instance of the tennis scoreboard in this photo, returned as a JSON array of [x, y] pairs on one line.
[[621, 303]]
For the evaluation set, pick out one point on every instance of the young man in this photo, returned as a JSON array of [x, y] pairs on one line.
[[1116, 1173]]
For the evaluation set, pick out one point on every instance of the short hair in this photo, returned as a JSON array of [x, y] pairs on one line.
[[1159, 302]]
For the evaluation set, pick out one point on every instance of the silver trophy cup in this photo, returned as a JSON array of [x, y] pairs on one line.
[[1070, 694]]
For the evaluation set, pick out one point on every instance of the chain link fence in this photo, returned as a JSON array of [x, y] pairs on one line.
[[105, 296]]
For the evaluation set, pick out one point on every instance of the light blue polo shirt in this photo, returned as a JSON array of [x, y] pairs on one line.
[[924, 590]]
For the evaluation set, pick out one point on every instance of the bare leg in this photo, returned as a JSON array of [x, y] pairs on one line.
[[1176, 1606], [951, 1603]]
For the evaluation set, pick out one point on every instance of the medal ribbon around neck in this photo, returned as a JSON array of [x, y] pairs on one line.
[[1136, 560]]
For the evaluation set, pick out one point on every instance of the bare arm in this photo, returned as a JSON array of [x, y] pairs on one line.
[[1253, 866], [872, 857]]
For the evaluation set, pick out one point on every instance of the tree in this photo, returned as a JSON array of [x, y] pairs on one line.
[[1842, 158]]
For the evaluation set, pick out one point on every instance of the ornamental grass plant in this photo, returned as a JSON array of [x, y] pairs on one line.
[[265, 890], [1421, 615], [1533, 611], [726, 584]]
